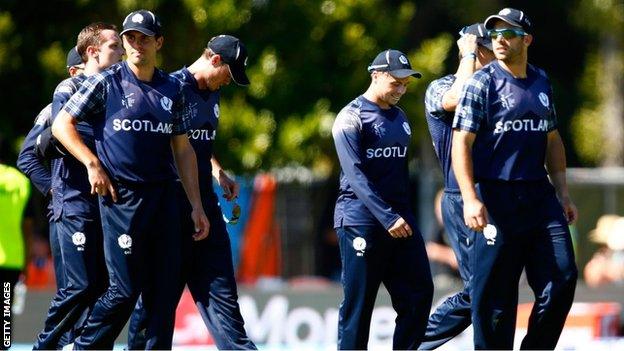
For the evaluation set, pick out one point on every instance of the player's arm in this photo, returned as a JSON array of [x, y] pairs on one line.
[[28, 162], [230, 186], [346, 134], [86, 103], [468, 115], [556, 166], [467, 45], [186, 163], [475, 214], [64, 130]]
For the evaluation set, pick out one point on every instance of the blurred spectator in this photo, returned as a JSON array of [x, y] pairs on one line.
[[607, 264], [14, 192], [441, 256]]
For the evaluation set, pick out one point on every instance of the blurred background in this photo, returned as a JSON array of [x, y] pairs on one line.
[[307, 59]]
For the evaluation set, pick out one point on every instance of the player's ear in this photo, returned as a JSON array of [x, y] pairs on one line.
[[159, 42], [215, 60], [528, 39], [92, 51]]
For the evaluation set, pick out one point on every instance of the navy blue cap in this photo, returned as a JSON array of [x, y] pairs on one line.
[[478, 29], [234, 53], [143, 21], [393, 62], [73, 59], [512, 16]]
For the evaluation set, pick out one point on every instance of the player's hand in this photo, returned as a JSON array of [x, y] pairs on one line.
[[400, 229], [100, 183], [230, 187], [569, 209], [467, 44], [475, 214], [202, 225]]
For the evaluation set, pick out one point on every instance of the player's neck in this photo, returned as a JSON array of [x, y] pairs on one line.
[[517, 68], [373, 97], [144, 73]]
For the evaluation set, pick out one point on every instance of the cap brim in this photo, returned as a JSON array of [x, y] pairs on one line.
[[142, 30], [403, 73], [238, 74], [489, 22]]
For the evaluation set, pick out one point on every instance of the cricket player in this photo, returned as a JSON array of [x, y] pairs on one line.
[[505, 131], [34, 165], [378, 238], [138, 116], [207, 266], [441, 98], [75, 209]]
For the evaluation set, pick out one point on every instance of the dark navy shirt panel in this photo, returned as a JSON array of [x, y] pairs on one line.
[[70, 181], [372, 148], [440, 123], [203, 111], [28, 162], [512, 118], [133, 134]]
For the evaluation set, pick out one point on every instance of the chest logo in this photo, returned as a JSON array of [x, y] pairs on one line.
[[407, 128], [379, 129], [216, 110], [490, 233], [543, 98], [507, 101], [128, 100], [359, 244], [166, 103]]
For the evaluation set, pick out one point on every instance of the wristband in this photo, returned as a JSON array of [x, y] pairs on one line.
[[470, 55]]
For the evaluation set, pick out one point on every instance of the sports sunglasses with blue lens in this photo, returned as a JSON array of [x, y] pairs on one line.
[[507, 33]]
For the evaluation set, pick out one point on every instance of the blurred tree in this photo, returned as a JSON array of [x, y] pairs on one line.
[[308, 59], [598, 125]]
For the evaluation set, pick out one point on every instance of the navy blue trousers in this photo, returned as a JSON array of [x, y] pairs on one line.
[[370, 256], [529, 230], [142, 251], [453, 316], [208, 271], [81, 275]]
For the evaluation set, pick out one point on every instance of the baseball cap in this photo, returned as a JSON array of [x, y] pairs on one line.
[[143, 21], [234, 53], [478, 29], [73, 59], [393, 62], [512, 16]]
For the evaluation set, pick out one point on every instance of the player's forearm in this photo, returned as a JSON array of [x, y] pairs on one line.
[[556, 164], [186, 162], [216, 168], [461, 155], [64, 130], [464, 71]]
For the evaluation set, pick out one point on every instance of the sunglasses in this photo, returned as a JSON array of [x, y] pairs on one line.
[[235, 216], [507, 33]]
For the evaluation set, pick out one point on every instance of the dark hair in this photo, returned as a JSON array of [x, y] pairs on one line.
[[90, 36]]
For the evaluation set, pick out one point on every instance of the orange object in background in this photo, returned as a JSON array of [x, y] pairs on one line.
[[586, 321], [260, 251], [40, 274]]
